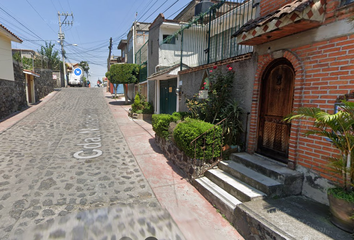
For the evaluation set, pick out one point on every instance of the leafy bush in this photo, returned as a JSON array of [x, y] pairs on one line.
[[219, 105], [140, 105], [210, 109], [233, 126], [190, 129], [137, 103], [148, 108], [180, 115], [161, 123]]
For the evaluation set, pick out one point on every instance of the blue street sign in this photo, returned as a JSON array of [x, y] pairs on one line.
[[77, 71]]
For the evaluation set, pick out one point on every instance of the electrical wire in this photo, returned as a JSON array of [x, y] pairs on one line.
[[40, 16], [178, 10], [20, 23], [155, 10]]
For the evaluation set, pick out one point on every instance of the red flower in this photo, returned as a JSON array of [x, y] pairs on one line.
[[211, 71], [215, 67], [230, 68], [228, 65], [202, 88], [204, 83]]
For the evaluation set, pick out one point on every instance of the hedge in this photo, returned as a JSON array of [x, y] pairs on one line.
[[190, 129], [161, 123]]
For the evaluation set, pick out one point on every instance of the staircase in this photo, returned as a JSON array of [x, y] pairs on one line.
[[247, 178]]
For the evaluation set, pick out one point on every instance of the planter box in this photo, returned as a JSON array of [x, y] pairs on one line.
[[142, 116]]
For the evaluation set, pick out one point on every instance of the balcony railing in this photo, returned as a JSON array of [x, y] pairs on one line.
[[207, 38]]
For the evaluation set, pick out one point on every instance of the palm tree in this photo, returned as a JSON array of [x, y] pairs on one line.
[[51, 55], [338, 128]]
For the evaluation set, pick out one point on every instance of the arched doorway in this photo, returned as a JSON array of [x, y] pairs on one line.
[[276, 102]]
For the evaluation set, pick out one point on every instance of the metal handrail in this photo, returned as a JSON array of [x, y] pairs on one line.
[[195, 140]]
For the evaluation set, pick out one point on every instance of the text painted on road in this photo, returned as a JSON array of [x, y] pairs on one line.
[[92, 142]]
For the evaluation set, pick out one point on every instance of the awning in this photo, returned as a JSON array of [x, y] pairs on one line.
[[167, 72], [297, 16], [29, 72]]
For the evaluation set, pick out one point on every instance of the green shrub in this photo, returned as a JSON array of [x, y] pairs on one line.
[[136, 106], [148, 108], [190, 129], [180, 115], [161, 123], [140, 105]]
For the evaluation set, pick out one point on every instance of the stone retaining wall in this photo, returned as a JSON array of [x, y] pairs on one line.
[[13, 93], [44, 84], [193, 168]]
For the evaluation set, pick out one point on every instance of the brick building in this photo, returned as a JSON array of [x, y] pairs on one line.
[[305, 56]]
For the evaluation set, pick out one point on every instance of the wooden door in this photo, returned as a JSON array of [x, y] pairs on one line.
[[276, 102]]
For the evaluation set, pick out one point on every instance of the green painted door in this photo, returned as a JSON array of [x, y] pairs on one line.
[[168, 98]]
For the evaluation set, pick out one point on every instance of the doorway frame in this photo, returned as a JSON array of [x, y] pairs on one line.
[[263, 95], [263, 60]]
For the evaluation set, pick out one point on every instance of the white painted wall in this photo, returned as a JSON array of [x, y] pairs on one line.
[[169, 54], [194, 44], [6, 67]]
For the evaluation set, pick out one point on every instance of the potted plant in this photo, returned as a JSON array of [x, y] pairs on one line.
[[338, 128]]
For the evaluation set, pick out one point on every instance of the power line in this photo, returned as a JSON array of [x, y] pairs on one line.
[[155, 10], [40, 15], [147, 10], [178, 10], [171, 6], [20, 23]]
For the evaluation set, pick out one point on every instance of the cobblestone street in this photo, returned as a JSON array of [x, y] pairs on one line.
[[66, 172]]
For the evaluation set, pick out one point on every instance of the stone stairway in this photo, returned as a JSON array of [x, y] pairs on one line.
[[247, 178]]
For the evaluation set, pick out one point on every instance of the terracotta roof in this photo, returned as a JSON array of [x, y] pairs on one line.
[[2, 26], [29, 72], [298, 5]]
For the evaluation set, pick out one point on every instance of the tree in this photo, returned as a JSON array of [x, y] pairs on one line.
[[85, 66], [123, 74], [51, 55]]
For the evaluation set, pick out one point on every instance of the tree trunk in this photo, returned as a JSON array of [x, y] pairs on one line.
[[126, 93], [116, 89]]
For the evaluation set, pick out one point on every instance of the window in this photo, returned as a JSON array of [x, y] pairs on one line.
[[151, 45], [168, 40]]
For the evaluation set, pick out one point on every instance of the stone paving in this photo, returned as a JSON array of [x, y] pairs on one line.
[[66, 172]]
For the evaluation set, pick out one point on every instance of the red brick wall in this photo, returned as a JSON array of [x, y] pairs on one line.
[[324, 71], [268, 6]]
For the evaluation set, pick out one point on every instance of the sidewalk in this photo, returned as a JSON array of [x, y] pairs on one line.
[[194, 215]]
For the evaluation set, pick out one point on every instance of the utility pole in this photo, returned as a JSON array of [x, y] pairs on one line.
[[109, 54], [109, 63], [61, 37]]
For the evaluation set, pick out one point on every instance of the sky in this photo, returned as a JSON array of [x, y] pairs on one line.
[[94, 22]]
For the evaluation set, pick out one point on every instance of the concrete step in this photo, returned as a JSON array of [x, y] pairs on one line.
[[235, 187], [222, 200], [289, 218], [291, 179], [255, 179]]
